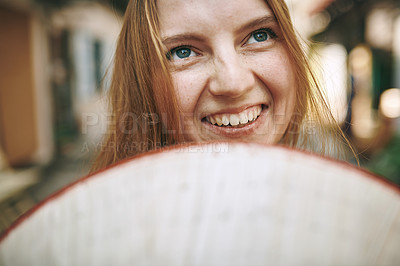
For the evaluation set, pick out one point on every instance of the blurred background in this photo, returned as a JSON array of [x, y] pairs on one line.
[[55, 58]]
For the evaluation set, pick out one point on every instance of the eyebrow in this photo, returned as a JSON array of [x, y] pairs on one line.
[[252, 24], [180, 38], [257, 22]]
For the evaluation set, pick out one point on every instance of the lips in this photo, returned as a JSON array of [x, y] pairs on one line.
[[240, 119]]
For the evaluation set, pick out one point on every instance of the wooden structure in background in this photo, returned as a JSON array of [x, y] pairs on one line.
[[17, 102]]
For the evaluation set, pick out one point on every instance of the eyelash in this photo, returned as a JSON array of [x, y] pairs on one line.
[[173, 50], [269, 31]]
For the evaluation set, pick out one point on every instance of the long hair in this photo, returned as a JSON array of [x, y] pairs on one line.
[[143, 104], [312, 125], [141, 98]]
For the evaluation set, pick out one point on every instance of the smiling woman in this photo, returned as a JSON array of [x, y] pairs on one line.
[[213, 70], [231, 70]]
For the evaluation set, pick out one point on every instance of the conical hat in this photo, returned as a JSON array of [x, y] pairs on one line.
[[214, 204]]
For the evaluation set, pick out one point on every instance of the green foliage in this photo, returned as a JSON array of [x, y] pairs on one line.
[[387, 162]]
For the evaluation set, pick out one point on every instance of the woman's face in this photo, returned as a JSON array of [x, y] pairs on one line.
[[231, 71]]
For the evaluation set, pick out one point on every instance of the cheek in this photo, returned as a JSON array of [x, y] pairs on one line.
[[285, 86], [278, 77], [188, 90], [279, 81]]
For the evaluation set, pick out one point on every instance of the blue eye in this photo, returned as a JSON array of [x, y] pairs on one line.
[[261, 36], [180, 53], [183, 52]]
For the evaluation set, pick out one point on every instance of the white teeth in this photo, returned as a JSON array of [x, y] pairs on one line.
[[255, 114], [212, 120], [218, 120], [243, 118], [250, 116], [225, 120], [234, 120]]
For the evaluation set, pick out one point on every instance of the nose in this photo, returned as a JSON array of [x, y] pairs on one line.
[[231, 76]]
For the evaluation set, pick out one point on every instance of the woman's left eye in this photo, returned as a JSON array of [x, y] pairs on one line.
[[261, 36]]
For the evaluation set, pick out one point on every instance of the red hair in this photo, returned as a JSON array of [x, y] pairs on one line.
[[145, 112]]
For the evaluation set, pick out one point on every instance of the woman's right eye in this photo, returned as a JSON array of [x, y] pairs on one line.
[[180, 53]]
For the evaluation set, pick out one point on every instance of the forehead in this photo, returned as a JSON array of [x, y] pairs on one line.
[[178, 16]]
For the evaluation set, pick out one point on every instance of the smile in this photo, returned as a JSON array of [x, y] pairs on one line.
[[236, 120]]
